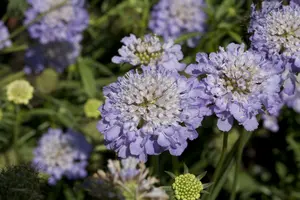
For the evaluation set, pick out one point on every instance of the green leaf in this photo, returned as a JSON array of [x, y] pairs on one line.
[[235, 36], [87, 77], [281, 170], [16, 8], [199, 177], [207, 185], [186, 169], [171, 174], [104, 70]]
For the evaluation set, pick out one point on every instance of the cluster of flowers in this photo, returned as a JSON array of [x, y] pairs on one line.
[[128, 179], [275, 32], [57, 34], [157, 109]]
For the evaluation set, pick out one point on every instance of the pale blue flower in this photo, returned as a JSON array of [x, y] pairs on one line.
[[241, 84], [151, 112]]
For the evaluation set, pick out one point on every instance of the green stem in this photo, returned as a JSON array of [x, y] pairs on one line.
[[11, 78], [227, 165], [221, 161], [13, 49], [111, 12], [16, 132], [238, 165], [187, 36]]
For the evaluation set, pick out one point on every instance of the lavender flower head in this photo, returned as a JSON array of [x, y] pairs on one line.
[[241, 84], [150, 51], [172, 18], [276, 31], [130, 178], [293, 101], [62, 154], [62, 20], [276, 28], [270, 123], [58, 55], [4, 35], [151, 112]]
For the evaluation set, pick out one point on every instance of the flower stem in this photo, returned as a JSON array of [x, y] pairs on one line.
[[238, 165], [12, 77], [13, 49], [221, 161], [16, 133], [228, 163]]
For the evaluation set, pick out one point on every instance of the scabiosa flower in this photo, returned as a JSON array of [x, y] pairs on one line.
[[4, 35], [129, 179], [62, 154], [241, 84], [276, 31], [19, 92], [91, 108], [293, 101], [150, 51], [275, 28], [57, 55], [63, 20], [172, 18], [270, 122], [151, 112]]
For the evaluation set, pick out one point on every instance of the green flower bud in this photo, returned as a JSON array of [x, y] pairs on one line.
[[19, 92], [91, 108], [187, 187], [47, 81]]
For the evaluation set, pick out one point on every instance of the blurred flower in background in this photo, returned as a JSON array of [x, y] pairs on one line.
[[60, 20], [129, 179], [57, 55], [241, 83], [151, 112], [150, 51], [59, 33], [91, 108], [61, 154], [172, 18], [270, 123], [4, 36], [19, 92], [275, 29]]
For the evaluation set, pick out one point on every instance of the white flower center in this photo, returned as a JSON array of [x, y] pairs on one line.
[[56, 153], [148, 50], [184, 11], [241, 80], [64, 13], [148, 101], [283, 30]]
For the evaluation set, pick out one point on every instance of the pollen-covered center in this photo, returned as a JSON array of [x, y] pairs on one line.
[[283, 31], [148, 50], [187, 187], [58, 156], [241, 79], [184, 12], [149, 100], [65, 12]]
